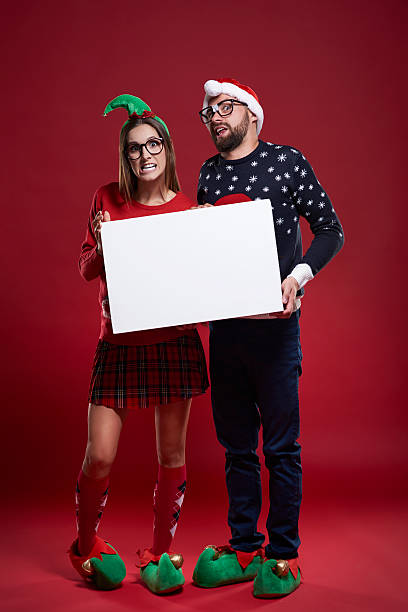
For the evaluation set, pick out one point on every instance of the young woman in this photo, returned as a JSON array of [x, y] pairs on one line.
[[159, 369]]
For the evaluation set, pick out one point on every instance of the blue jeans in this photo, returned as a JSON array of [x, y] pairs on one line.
[[254, 368]]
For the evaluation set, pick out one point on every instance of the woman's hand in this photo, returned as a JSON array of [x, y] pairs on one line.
[[206, 205], [96, 226]]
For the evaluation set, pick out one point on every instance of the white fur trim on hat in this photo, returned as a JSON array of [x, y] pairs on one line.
[[215, 88]]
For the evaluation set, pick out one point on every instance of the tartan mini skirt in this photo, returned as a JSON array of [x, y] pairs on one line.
[[131, 377]]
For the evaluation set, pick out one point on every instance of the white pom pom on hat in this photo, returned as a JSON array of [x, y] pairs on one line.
[[235, 89]]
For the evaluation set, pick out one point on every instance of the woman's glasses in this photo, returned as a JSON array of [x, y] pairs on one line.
[[154, 146]]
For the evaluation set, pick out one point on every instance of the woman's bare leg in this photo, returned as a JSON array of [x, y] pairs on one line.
[[104, 428], [171, 428]]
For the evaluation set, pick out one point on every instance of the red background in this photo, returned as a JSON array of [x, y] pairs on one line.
[[331, 80]]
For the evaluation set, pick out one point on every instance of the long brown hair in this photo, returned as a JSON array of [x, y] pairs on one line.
[[127, 178]]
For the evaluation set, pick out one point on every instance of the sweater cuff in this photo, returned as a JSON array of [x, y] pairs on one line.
[[302, 273]]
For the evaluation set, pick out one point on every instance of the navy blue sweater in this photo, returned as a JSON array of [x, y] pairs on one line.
[[283, 175]]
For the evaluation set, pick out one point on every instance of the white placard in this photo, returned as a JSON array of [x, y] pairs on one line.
[[192, 266]]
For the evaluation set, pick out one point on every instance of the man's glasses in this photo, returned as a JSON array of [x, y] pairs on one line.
[[154, 146], [224, 109]]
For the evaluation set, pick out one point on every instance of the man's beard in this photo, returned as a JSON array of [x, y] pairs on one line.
[[235, 137]]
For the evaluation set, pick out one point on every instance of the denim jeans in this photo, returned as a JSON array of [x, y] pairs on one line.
[[254, 368]]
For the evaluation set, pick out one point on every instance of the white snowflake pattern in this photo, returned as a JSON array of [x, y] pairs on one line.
[[217, 192], [278, 146], [229, 168], [270, 144], [211, 163], [303, 173], [289, 231], [205, 189], [231, 188], [248, 188], [271, 169], [321, 204], [296, 168], [293, 206], [253, 178], [284, 203], [307, 214], [218, 177], [284, 188], [279, 221], [287, 175], [322, 194], [282, 157], [294, 151], [234, 178], [301, 187], [207, 177], [254, 163], [295, 219], [278, 177], [310, 186], [320, 218], [332, 210], [263, 154], [295, 194], [265, 189], [309, 202]]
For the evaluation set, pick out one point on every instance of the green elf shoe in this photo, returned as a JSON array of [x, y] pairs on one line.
[[102, 565], [161, 573], [219, 565], [277, 578]]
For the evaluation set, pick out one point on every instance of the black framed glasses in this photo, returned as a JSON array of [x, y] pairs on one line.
[[224, 108], [154, 146]]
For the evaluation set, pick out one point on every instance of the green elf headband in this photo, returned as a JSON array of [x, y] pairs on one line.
[[135, 108]]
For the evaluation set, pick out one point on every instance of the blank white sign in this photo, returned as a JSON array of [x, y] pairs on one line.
[[192, 266]]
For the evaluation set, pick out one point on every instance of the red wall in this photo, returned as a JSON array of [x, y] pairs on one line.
[[331, 80]]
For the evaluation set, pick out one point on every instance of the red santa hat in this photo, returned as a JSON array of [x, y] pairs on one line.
[[235, 89]]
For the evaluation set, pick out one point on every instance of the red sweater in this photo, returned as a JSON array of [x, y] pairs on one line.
[[91, 263]]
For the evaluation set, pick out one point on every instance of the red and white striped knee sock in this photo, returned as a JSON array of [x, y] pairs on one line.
[[167, 501], [90, 497]]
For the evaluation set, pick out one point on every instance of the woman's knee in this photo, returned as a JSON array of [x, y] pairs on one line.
[[171, 456], [98, 462]]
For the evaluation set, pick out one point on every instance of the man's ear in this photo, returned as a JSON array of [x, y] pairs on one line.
[[253, 117]]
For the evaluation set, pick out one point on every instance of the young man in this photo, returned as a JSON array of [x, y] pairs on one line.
[[255, 362]]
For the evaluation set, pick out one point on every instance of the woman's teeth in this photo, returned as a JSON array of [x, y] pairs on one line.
[[147, 167]]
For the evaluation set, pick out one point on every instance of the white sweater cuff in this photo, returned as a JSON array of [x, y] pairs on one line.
[[302, 273]]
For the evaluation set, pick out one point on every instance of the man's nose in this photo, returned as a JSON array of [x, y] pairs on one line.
[[216, 118]]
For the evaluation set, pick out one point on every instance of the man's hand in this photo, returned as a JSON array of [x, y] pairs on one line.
[[96, 225], [290, 287], [206, 205]]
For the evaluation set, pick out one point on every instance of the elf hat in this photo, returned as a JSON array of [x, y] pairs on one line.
[[135, 108], [236, 90]]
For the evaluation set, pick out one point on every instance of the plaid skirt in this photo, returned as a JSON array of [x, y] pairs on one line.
[[141, 376]]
